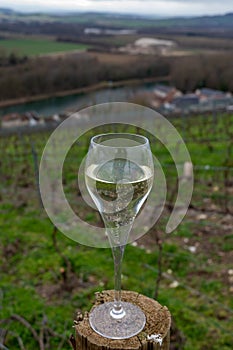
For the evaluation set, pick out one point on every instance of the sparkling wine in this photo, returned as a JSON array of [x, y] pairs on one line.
[[119, 188], [119, 175]]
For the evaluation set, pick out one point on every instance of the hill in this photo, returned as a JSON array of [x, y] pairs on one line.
[[112, 20], [6, 11]]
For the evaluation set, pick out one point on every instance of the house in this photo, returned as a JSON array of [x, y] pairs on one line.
[[53, 119], [12, 120], [148, 46], [147, 42], [211, 99], [185, 102], [158, 97], [207, 94], [16, 120], [165, 93]]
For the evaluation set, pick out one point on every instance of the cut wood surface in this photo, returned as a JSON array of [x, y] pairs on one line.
[[154, 336]]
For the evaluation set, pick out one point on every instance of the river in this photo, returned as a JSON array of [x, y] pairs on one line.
[[58, 105]]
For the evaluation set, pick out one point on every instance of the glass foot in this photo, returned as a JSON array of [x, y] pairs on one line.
[[104, 324]]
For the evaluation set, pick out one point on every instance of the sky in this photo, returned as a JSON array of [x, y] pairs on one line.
[[152, 7]]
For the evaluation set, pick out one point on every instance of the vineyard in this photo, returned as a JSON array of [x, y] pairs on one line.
[[47, 278]]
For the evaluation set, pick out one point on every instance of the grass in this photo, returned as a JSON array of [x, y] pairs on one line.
[[33, 285], [47, 278], [35, 47]]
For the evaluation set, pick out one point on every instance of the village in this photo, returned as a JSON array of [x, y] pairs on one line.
[[167, 100]]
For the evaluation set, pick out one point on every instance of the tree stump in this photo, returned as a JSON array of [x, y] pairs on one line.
[[154, 336]]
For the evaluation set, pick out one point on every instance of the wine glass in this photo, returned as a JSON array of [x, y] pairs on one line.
[[119, 175]]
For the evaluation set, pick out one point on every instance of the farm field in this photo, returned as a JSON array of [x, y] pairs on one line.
[[43, 46], [47, 278], [35, 47]]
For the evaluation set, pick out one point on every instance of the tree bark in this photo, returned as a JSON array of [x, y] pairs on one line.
[[154, 336]]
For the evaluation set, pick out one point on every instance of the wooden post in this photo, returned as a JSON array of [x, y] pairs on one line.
[[154, 336]]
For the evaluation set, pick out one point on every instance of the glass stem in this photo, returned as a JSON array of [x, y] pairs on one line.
[[117, 312]]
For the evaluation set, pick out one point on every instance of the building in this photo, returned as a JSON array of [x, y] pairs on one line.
[[166, 93], [16, 120], [148, 46], [185, 102], [205, 94]]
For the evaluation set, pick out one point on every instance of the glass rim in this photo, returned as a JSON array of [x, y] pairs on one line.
[[126, 136]]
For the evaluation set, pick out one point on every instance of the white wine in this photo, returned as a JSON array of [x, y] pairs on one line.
[[119, 175], [119, 188]]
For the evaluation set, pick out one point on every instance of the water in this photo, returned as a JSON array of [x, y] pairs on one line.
[[58, 105]]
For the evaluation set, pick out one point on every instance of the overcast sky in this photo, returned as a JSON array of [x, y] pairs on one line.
[[152, 7]]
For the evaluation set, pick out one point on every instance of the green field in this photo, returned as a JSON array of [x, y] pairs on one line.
[[34, 46], [46, 278]]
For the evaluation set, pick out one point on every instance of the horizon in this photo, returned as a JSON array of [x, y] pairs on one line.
[[157, 8], [137, 15]]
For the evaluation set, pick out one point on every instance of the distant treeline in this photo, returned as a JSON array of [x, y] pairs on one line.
[[190, 31], [213, 71], [10, 58], [50, 75], [37, 27]]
